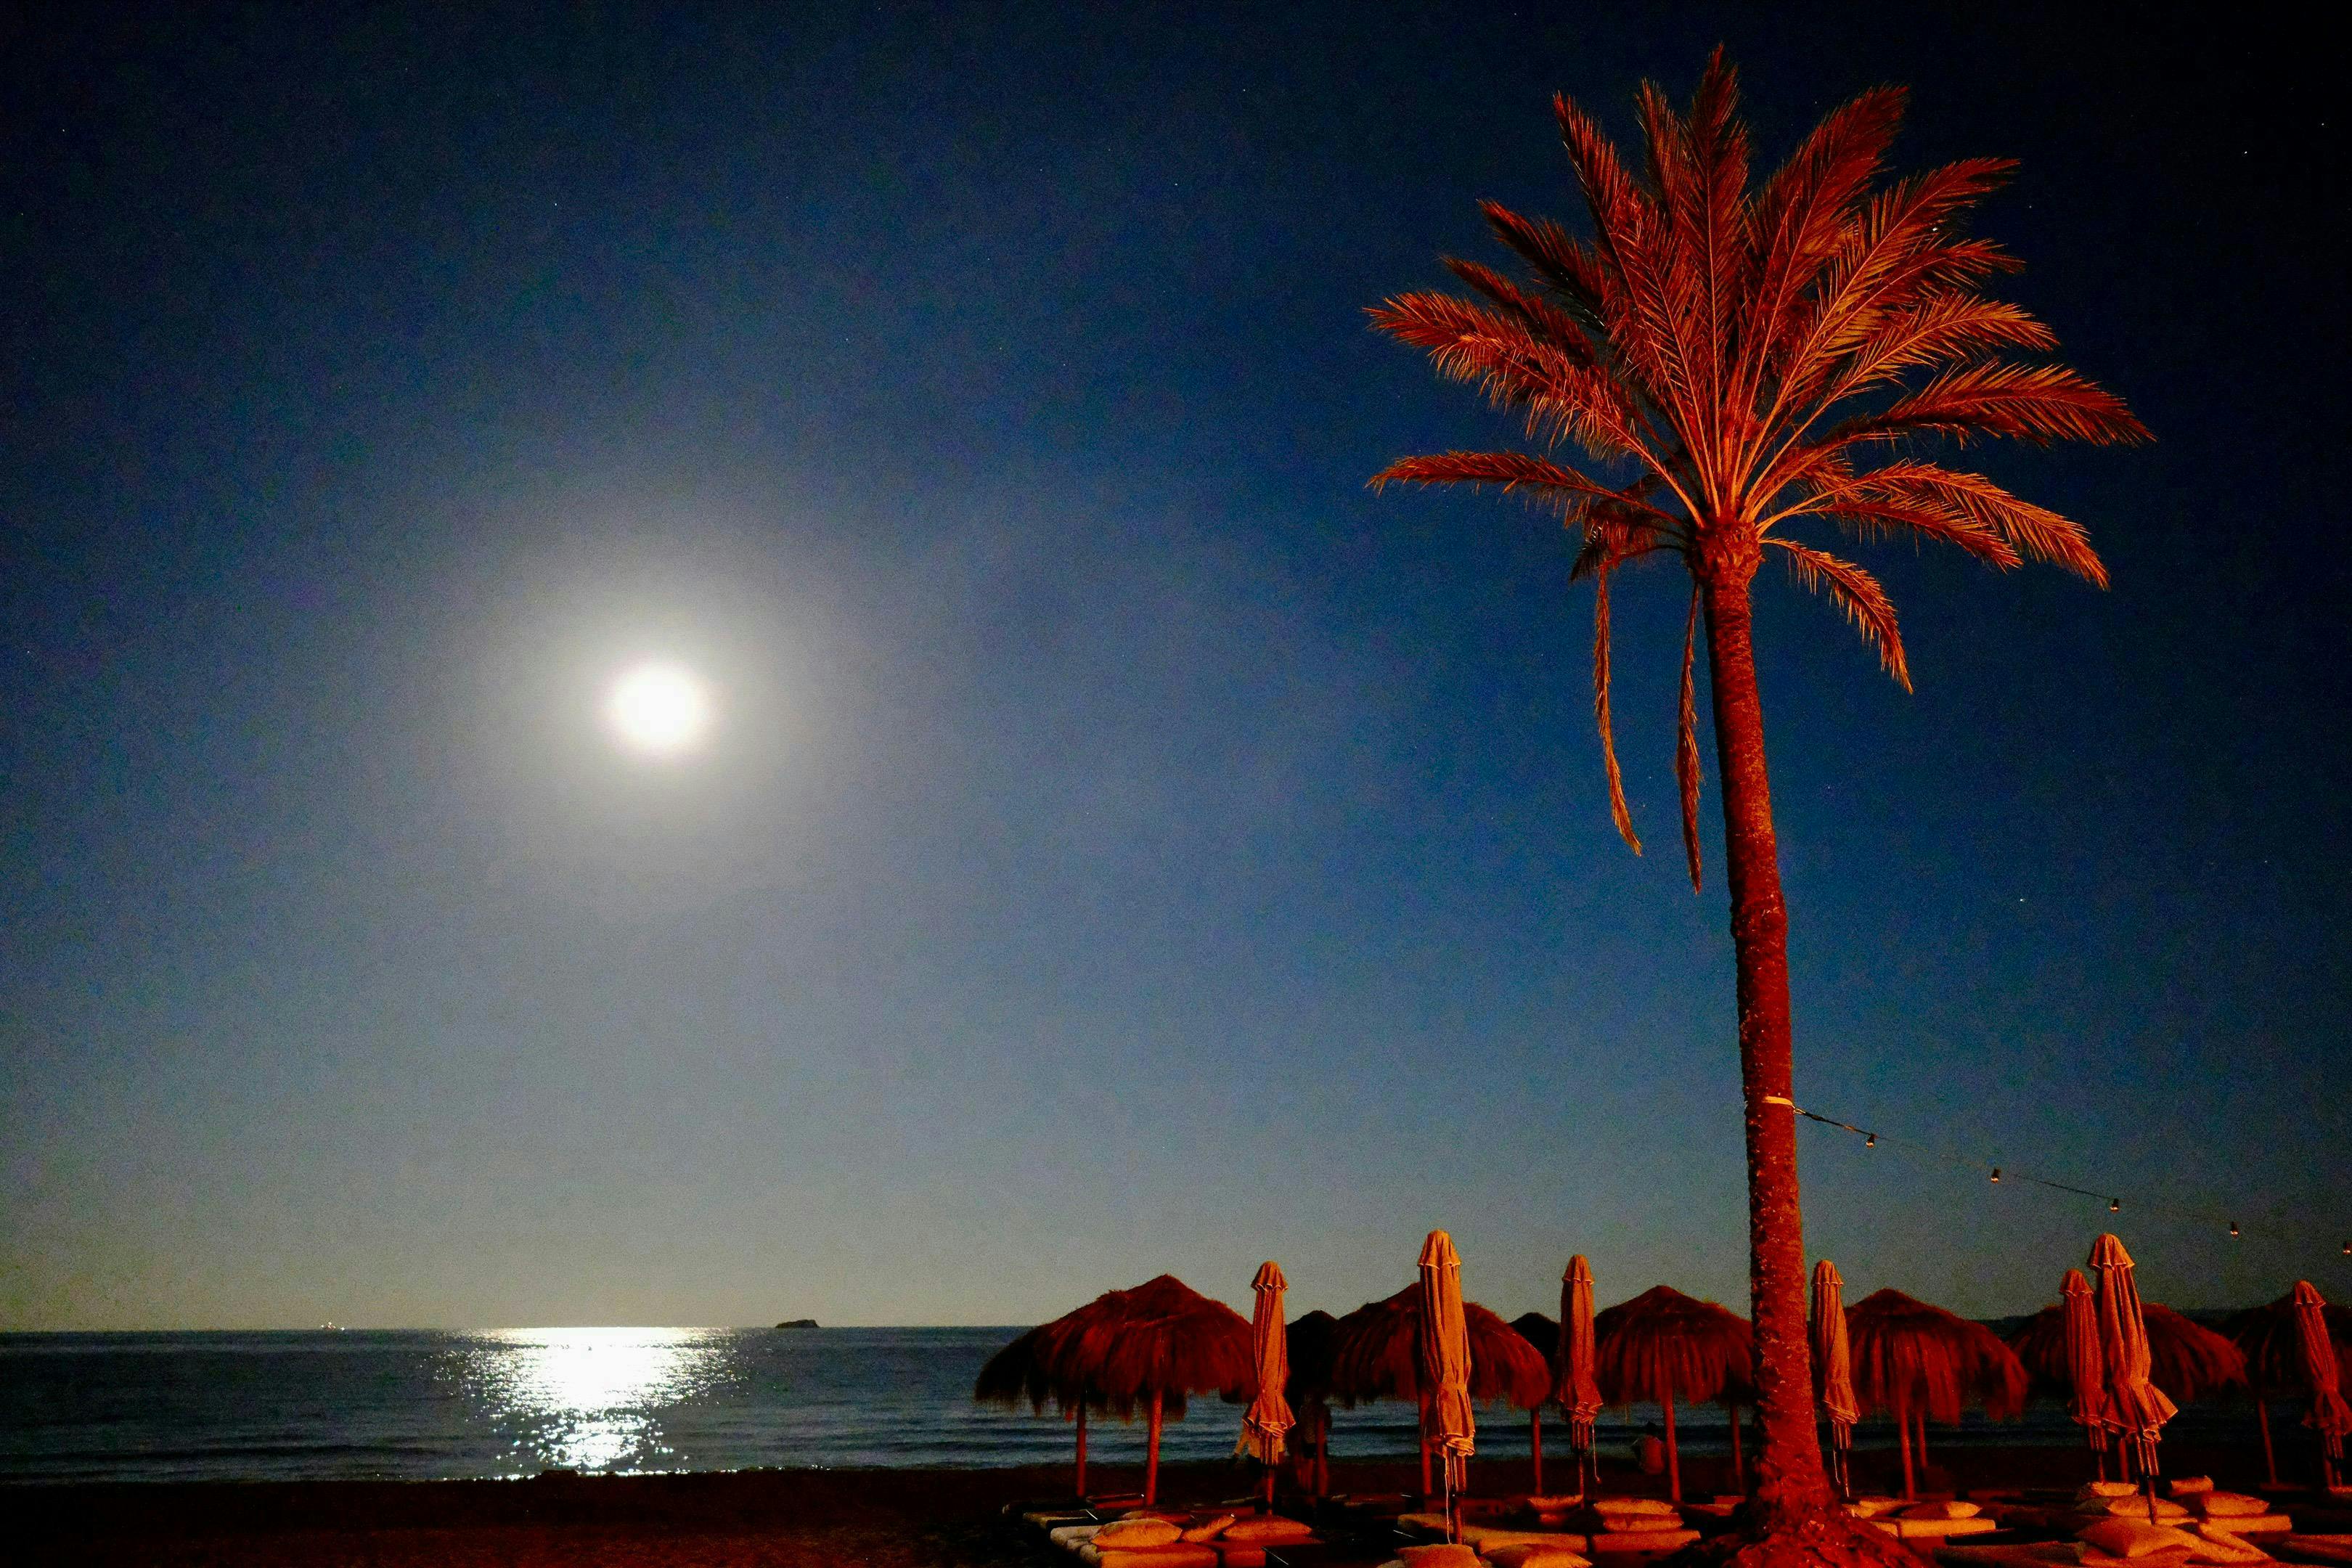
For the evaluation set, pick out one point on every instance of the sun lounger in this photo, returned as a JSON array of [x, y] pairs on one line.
[[1175, 1554], [1934, 1529], [2331, 1549], [1638, 1543]]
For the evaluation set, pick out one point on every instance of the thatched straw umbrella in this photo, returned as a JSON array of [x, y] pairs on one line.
[[1543, 1334], [1373, 1357], [2275, 1366], [1663, 1346], [1267, 1422], [1018, 1375], [1309, 1390], [1917, 1362], [1149, 1348], [2189, 1362]]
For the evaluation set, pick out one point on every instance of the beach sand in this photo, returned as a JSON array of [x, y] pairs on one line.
[[752, 1519]]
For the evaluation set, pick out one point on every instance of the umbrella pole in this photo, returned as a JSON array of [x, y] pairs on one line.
[[1923, 1444], [1674, 1459], [1738, 1465], [1534, 1449], [2270, 1460], [1151, 1456], [1082, 1447], [1323, 1454], [1903, 1429]]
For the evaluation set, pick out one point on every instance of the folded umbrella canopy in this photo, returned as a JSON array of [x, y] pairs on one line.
[[2137, 1407], [1268, 1420], [2330, 1417], [1445, 1365], [1833, 1370], [2086, 1368], [1578, 1388]]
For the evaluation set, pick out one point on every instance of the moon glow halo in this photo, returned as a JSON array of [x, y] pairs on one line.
[[658, 710]]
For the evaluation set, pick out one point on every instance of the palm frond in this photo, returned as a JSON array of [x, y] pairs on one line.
[[2035, 403], [2031, 402], [1515, 471], [1567, 267], [1559, 389], [1619, 811], [2030, 530], [1855, 592]]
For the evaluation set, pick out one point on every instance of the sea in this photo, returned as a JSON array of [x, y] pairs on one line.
[[433, 1404]]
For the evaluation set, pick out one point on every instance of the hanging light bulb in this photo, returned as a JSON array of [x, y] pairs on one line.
[[1996, 1175], [2347, 1249], [2233, 1227], [1870, 1140], [2114, 1206]]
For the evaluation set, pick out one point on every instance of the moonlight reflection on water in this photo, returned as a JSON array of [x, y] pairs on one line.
[[590, 1399]]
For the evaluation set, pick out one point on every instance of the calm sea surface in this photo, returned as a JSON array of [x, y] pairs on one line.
[[513, 1402]]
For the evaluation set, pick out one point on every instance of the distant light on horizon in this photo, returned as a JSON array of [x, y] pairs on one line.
[[660, 710]]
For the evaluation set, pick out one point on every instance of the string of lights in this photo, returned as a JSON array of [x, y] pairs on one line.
[[1996, 1175]]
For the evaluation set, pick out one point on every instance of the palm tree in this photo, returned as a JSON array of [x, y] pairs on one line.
[[1734, 360]]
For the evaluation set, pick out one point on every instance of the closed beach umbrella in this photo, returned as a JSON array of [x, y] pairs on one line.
[[1444, 1364], [2085, 1367], [1309, 1344], [2330, 1417], [1834, 1368], [1918, 1363], [1577, 1387], [1663, 1346], [1018, 1375], [1376, 1355], [1267, 1421], [2273, 1347], [1147, 1349], [2137, 1407]]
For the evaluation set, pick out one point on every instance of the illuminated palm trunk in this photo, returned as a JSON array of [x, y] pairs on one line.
[[1789, 1471]]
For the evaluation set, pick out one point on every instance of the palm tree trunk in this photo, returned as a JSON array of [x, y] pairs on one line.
[[1151, 1456], [1788, 1473], [1082, 1448]]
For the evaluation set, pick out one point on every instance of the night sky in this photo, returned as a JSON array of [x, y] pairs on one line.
[[1126, 843]]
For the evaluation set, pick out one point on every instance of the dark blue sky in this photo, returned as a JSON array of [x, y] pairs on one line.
[[1126, 844]]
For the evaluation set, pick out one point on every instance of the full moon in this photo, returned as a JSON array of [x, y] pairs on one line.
[[658, 708]]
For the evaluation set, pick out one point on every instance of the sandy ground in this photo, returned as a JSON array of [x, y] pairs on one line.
[[759, 1518]]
